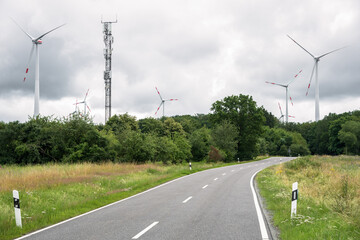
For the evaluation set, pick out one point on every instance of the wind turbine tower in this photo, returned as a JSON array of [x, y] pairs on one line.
[[108, 40], [35, 44]]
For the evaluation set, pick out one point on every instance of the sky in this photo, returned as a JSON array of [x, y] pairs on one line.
[[196, 51]]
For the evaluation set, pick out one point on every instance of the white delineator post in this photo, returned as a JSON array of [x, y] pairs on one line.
[[17, 208], [190, 165], [294, 197]]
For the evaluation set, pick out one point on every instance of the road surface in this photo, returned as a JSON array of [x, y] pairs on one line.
[[213, 204]]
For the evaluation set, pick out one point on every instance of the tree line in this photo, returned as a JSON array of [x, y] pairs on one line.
[[236, 128]]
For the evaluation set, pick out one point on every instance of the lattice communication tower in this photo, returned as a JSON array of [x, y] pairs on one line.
[[108, 40]]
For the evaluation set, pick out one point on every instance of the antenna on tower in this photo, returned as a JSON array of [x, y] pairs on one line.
[[108, 40]]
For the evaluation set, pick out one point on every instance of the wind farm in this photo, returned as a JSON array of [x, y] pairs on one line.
[[230, 80]]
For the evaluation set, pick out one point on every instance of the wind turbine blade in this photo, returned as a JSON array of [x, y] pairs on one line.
[[301, 47], [87, 92], [159, 93], [296, 75], [158, 107], [49, 32], [332, 51], [312, 73], [275, 84], [28, 63], [173, 99], [22, 29], [291, 101], [280, 110], [88, 108], [291, 116]]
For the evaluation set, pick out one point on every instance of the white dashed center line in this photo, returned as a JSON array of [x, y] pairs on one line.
[[187, 199], [224, 174], [215, 179], [205, 186], [145, 230]]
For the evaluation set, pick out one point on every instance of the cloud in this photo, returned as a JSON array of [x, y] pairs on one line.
[[198, 52]]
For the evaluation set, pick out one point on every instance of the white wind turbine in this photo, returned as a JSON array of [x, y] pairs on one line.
[[282, 115], [36, 42], [85, 103], [163, 102], [317, 93], [286, 86]]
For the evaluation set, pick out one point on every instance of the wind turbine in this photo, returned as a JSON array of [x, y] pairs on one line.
[[317, 92], [282, 115], [85, 103], [287, 94], [163, 102], [36, 42]]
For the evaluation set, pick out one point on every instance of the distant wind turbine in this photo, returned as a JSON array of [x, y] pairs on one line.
[[85, 103], [36, 42], [287, 94], [317, 93], [282, 115], [163, 102]]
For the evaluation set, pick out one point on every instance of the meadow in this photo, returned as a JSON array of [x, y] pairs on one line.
[[329, 197], [51, 193]]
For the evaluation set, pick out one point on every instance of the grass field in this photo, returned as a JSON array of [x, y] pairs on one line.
[[55, 192], [329, 197]]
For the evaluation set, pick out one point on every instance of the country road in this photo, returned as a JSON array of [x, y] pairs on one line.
[[213, 204]]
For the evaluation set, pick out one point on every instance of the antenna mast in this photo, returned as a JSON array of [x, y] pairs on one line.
[[108, 40]]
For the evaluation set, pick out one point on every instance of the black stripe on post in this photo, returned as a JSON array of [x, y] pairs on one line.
[[294, 195], [16, 203]]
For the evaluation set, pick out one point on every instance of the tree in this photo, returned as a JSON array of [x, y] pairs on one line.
[[224, 136], [152, 125], [350, 136], [171, 128], [120, 123], [200, 143], [246, 116]]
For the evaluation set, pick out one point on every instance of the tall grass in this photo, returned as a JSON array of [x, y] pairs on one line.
[[329, 197]]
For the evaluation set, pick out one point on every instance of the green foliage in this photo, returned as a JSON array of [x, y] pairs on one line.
[[171, 128], [121, 123], [350, 136], [247, 118], [151, 125], [224, 137], [200, 143]]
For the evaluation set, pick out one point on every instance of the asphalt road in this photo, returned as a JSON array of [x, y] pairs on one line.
[[213, 204]]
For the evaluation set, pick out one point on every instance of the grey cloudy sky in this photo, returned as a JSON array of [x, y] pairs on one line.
[[197, 51]]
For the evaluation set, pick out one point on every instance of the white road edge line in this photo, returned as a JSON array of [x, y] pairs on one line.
[[263, 230], [145, 230], [215, 179], [187, 199], [205, 186]]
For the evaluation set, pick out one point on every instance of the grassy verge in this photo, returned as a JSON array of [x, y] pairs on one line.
[[329, 197], [55, 192]]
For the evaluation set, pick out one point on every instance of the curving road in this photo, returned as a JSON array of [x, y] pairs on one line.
[[213, 204]]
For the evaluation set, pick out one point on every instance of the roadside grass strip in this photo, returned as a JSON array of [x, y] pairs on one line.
[[329, 197]]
